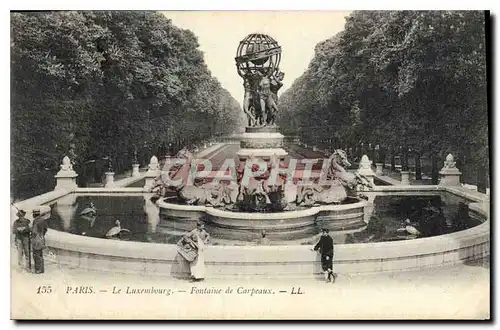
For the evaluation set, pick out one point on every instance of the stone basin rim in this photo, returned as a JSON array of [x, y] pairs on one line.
[[258, 215], [68, 239], [159, 251], [376, 251]]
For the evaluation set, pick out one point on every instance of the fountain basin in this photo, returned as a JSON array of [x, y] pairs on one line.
[[294, 224], [291, 260]]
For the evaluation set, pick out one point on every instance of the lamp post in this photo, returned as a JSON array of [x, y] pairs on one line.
[[418, 165], [379, 164]]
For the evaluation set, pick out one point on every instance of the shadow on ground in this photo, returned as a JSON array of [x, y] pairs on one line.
[[484, 262]]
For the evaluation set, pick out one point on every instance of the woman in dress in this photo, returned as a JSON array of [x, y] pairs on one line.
[[191, 247]]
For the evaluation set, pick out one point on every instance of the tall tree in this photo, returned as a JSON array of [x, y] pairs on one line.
[[399, 78], [96, 84]]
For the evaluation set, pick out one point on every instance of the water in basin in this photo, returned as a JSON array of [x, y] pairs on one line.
[[141, 216]]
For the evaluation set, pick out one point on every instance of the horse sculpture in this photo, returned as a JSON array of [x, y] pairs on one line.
[[338, 185], [265, 191], [174, 178], [351, 181]]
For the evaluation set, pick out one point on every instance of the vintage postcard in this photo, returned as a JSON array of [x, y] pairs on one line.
[[250, 165]]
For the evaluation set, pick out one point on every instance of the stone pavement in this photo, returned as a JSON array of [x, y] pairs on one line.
[[460, 291]]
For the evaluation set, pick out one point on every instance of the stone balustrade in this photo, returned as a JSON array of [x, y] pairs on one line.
[[66, 177]]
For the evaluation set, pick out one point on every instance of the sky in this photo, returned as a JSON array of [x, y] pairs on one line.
[[219, 34]]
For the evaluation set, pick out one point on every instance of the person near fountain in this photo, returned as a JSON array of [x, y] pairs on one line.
[[325, 247], [191, 247], [22, 231], [38, 240]]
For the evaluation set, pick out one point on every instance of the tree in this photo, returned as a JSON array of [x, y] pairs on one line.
[[97, 84], [399, 78]]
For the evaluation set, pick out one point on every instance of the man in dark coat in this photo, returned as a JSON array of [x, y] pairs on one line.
[[325, 247], [38, 240], [21, 230]]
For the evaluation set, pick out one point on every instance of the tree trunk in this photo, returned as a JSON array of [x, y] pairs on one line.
[[370, 153], [393, 160], [418, 167], [460, 165], [382, 154], [435, 170], [482, 179], [404, 160]]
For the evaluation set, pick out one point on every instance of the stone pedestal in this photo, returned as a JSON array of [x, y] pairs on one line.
[[66, 208], [368, 211], [405, 177], [261, 142], [365, 169], [148, 182], [153, 214], [110, 179], [450, 175], [135, 170], [152, 173], [379, 168], [66, 177]]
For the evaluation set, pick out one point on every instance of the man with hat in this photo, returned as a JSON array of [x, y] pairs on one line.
[[39, 230], [325, 247], [21, 230]]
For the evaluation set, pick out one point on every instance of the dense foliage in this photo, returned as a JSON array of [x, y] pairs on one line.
[[97, 84], [397, 78]]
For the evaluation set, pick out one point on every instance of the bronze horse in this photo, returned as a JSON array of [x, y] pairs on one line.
[[338, 185], [175, 177]]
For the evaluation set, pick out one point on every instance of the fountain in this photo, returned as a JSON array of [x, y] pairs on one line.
[[260, 197]]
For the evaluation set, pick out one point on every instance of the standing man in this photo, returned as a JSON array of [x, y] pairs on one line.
[[325, 247], [21, 230], [38, 240]]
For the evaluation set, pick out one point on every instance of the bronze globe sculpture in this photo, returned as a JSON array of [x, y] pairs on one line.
[[257, 60]]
